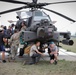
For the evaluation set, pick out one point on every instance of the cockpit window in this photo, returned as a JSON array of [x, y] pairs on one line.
[[37, 16], [26, 14], [38, 13]]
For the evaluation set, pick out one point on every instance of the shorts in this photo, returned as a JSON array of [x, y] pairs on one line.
[[52, 57], [2, 48]]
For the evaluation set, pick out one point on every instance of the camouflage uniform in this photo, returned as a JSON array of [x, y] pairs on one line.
[[14, 44], [23, 28]]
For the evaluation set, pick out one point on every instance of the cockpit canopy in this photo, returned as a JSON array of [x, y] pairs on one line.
[[37, 15]]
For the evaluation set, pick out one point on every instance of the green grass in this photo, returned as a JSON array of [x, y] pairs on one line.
[[63, 68], [70, 48], [42, 68]]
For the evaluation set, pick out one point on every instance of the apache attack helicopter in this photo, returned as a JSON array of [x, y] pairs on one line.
[[39, 24]]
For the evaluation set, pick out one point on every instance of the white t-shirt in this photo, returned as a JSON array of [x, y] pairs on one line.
[[33, 50]]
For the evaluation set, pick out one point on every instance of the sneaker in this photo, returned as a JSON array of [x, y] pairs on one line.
[[4, 61], [30, 63], [55, 62], [20, 56]]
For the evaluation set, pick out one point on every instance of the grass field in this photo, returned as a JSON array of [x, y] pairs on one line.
[[43, 68], [70, 48]]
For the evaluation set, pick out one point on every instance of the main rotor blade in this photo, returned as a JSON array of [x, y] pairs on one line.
[[59, 14], [16, 2], [11, 10], [61, 2]]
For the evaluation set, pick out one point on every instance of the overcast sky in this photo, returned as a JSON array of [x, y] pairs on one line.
[[62, 24]]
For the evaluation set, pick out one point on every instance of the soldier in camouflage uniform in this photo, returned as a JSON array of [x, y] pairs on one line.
[[14, 40]]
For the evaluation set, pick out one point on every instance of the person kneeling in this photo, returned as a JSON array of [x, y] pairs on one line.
[[53, 51], [34, 53]]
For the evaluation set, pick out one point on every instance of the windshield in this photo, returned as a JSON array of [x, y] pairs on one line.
[[39, 15], [24, 14]]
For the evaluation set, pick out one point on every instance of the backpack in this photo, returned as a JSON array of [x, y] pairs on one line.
[[27, 49]]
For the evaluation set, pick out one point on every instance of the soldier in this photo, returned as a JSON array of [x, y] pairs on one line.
[[14, 40]]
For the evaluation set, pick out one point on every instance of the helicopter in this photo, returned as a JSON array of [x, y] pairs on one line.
[[39, 24]]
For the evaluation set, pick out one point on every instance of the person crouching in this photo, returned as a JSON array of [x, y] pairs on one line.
[[53, 51], [34, 53]]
